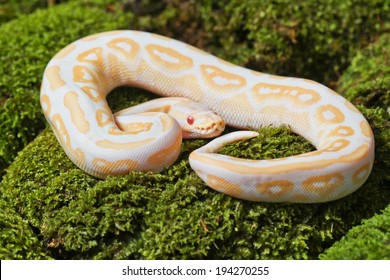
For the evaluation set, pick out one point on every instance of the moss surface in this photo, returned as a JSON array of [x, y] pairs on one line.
[[67, 214], [314, 39], [26, 45], [11, 9], [369, 241], [172, 214], [17, 238], [367, 82], [297, 38]]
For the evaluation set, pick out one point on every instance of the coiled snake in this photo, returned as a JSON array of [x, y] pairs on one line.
[[78, 78]]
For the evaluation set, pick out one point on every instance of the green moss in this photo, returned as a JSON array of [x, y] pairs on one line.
[[369, 241], [26, 46], [366, 82], [268, 144], [314, 39], [380, 123], [171, 214], [271, 36], [12, 9], [17, 238]]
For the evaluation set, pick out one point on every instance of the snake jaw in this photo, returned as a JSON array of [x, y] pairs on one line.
[[209, 129]]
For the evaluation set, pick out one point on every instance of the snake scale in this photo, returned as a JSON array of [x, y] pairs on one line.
[[77, 80]]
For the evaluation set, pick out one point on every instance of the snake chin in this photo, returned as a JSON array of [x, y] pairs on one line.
[[205, 131]]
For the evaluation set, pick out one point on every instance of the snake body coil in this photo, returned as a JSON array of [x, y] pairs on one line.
[[77, 80]]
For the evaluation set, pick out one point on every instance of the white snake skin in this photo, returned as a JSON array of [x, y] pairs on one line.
[[77, 80]]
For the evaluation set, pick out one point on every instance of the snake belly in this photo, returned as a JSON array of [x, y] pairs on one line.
[[77, 80]]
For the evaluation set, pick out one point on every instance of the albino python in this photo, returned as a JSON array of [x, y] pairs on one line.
[[78, 78]]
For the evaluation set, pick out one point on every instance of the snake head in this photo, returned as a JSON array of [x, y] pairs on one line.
[[202, 124], [197, 121]]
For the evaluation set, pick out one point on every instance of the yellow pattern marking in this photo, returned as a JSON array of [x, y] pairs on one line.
[[220, 79], [300, 96], [84, 74], [366, 129], [330, 114], [46, 104], [167, 152], [275, 189], [323, 184], [126, 47], [163, 109], [54, 77], [93, 93], [104, 117], [169, 58], [337, 145], [94, 55], [167, 122], [76, 112], [221, 185], [61, 130], [361, 174], [118, 167], [132, 128], [343, 131], [108, 144]]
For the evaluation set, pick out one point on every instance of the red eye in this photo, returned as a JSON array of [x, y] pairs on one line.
[[190, 120]]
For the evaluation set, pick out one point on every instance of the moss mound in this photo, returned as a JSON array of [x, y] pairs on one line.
[[369, 241], [26, 45], [12, 9], [369, 70], [310, 39], [17, 238], [169, 215], [314, 39], [67, 214], [367, 83]]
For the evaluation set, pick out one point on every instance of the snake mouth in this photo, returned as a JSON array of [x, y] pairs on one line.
[[212, 130]]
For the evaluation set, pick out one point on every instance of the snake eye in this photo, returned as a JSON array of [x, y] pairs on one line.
[[190, 120]]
